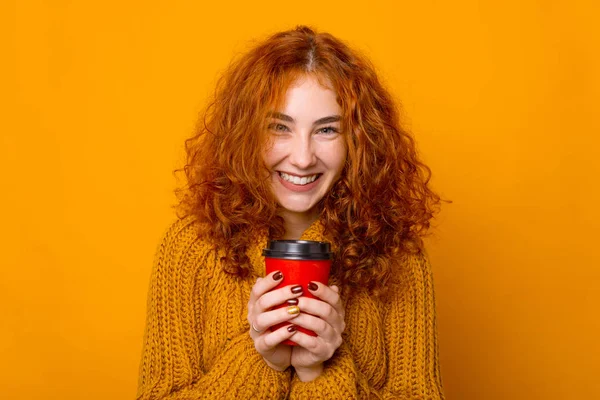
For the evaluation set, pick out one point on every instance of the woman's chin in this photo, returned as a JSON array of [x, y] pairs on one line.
[[299, 209]]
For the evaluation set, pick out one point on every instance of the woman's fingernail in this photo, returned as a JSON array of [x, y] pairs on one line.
[[277, 276], [312, 286], [297, 289], [291, 328], [293, 310], [292, 302]]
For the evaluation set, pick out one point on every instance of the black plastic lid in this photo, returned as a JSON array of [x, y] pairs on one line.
[[298, 250]]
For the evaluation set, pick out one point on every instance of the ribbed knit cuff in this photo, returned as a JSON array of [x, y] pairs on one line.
[[339, 380], [241, 373]]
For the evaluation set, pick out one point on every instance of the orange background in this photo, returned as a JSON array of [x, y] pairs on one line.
[[502, 97]]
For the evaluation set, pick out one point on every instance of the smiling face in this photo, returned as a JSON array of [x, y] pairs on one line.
[[306, 151]]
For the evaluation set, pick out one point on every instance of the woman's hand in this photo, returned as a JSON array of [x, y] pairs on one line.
[[261, 317], [327, 321]]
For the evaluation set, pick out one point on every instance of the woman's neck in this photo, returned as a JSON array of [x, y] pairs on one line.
[[296, 223]]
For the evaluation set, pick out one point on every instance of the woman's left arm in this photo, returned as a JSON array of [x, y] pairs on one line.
[[409, 327]]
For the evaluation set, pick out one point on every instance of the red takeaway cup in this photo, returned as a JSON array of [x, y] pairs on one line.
[[300, 262]]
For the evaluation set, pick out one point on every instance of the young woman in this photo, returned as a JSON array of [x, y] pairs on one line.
[[301, 142]]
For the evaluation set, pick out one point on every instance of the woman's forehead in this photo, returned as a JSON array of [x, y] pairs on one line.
[[308, 99], [314, 78]]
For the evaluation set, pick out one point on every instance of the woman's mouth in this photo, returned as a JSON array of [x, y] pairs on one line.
[[297, 180], [298, 183]]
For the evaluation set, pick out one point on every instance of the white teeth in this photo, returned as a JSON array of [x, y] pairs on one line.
[[296, 180]]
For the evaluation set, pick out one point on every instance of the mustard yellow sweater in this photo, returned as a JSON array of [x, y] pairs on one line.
[[197, 343]]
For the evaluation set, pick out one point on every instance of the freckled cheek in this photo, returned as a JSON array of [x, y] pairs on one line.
[[333, 156], [275, 154]]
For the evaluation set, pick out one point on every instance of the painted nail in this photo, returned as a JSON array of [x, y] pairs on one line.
[[291, 328], [297, 289], [277, 276], [293, 310], [292, 302], [312, 286]]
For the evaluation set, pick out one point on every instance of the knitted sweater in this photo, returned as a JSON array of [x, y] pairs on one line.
[[197, 343]]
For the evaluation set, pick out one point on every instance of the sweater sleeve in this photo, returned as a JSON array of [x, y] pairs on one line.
[[410, 346], [171, 365]]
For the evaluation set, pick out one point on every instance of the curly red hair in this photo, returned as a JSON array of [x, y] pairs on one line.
[[379, 209]]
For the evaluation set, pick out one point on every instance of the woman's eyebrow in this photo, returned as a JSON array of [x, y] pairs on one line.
[[320, 121], [327, 120], [281, 116]]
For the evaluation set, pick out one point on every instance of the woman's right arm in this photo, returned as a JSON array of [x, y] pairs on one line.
[[172, 365]]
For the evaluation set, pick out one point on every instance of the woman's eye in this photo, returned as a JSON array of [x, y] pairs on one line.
[[328, 130], [278, 127]]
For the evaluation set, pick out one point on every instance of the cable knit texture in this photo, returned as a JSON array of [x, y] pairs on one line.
[[197, 343]]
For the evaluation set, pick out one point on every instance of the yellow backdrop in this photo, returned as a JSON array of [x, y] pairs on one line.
[[502, 97]]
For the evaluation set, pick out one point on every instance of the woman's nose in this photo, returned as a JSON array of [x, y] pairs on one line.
[[302, 153]]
